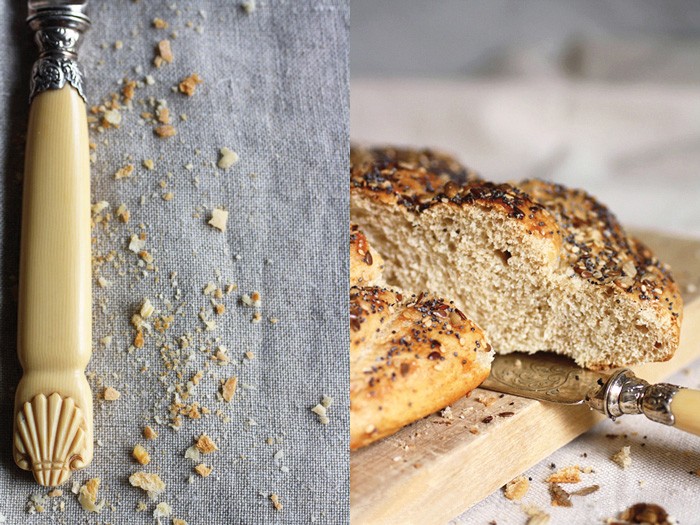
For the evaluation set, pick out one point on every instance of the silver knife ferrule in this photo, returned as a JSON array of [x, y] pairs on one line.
[[625, 393], [58, 27]]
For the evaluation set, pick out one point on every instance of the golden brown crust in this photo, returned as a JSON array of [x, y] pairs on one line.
[[408, 358], [416, 188], [598, 249], [365, 264], [437, 164]]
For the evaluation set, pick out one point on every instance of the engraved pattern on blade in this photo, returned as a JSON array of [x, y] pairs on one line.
[[53, 73], [543, 376], [50, 438], [656, 403]]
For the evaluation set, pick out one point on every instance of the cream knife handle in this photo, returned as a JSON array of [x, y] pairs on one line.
[[53, 432], [685, 408]]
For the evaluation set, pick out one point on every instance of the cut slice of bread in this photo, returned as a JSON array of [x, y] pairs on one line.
[[536, 265], [409, 355]]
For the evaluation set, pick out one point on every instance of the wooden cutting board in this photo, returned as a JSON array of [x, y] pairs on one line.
[[436, 468]]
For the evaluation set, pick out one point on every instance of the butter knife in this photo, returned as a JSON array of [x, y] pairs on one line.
[[53, 433], [557, 379]]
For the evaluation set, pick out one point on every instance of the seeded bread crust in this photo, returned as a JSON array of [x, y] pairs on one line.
[[409, 355], [560, 271]]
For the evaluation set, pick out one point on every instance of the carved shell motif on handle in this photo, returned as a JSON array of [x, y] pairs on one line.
[[50, 438]]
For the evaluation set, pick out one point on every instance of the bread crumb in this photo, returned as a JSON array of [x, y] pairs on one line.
[[536, 516], [203, 470], [219, 218], [219, 309], [487, 401], [102, 282], [141, 455], [166, 130], [99, 207], [163, 114], [124, 172], [111, 394], [168, 196], [229, 388], [177, 521], [162, 510], [276, 502], [147, 309], [151, 483], [123, 213], [139, 341], [149, 164], [516, 488], [565, 475], [149, 433], [165, 53], [560, 498], [88, 496], [622, 457], [55, 493], [136, 244], [205, 444], [248, 6], [227, 158], [322, 413], [159, 23], [188, 85]]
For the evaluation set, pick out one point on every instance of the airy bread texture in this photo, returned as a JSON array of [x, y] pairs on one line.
[[409, 355], [537, 265]]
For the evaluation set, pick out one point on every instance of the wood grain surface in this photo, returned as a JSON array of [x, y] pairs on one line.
[[436, 468]]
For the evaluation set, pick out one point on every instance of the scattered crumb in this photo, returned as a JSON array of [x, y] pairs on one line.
[[151, 483], [446, 413], [88, 496], [102, 282], [166, 130], [322, 411], [111, 394], [188, 85], [165, 53], [276, 502], [227, 158], [162, 510], [487, 401], [149, 433], [560, 498], [536, 516], [622, 457], [229, 388], [248, 6], [122, 213], [55, 493], [159, 23], [517, 488], [177, 521], [124, 172], [203, 470], [219, 218], [147, 309], [205, 444], [149, 164], [168, 196], [648, 513], [565, 475], [585, 491], [141, 455]]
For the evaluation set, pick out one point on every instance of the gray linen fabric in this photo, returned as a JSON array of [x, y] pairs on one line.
[[275, 91]]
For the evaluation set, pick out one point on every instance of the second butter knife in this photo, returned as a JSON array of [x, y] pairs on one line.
[[557, 379]]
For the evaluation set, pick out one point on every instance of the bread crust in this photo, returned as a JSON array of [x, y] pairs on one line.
[[365, 264], [409, 357], [581, 236]]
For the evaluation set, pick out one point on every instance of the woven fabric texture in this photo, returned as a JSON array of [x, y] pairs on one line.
[[275, 91]]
